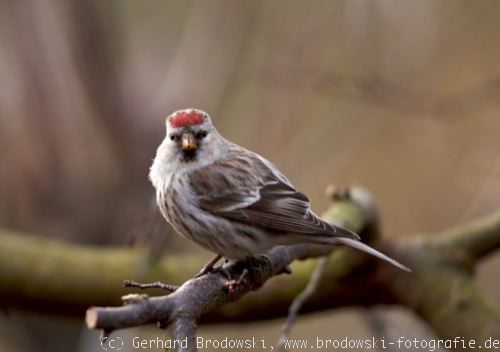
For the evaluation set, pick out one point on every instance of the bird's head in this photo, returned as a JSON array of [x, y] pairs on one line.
[[191, 141], [189, 134]]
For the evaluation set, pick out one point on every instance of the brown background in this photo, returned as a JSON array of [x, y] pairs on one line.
[[400, 97]]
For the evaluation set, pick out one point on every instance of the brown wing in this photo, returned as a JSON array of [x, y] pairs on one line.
[[248, 190]]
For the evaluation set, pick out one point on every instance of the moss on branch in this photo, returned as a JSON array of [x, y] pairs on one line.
[[62, 278]]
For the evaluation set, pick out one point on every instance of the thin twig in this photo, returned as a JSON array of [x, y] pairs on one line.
[[157, 284], [299, 301], [378, 326]]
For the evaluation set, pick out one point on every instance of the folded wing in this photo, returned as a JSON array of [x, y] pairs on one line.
[[248, 189]]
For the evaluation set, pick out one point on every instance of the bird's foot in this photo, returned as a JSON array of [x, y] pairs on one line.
[[250, 269], [232, 285], [157, 284], [209, 267]]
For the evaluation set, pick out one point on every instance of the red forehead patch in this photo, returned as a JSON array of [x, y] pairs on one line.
[[187, 118]]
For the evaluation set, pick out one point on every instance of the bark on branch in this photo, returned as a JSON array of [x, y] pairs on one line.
[[477, 239], [35, 273], [440, 290]]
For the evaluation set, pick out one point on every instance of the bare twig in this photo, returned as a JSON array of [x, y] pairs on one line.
[[378, 326], [157, 284], [299, 301]]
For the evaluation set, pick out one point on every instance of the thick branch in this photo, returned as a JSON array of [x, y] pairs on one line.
[[63, 278], [444, 295], [478, 238], [199, 296], [440, 290]]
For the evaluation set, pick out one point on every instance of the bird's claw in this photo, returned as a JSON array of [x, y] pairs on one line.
[[204, 271], [208, 268], [232, 285]]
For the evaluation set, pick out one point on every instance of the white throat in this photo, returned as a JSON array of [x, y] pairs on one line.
[[168, 161]]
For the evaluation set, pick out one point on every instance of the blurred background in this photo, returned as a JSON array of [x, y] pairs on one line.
[[401, 97]]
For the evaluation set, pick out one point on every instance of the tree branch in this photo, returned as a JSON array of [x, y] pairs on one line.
[[301, 299], [63, 278], [184, 328], [440, 289], [478, 238]]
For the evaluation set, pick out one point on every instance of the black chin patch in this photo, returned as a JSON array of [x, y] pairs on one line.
[[188, 155]]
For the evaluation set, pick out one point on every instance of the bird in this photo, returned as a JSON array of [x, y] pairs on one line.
[[232, 201]]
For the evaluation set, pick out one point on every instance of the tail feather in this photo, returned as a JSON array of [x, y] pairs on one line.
[[345, 233], [367, 249]]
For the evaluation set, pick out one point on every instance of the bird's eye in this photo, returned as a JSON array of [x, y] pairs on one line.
[[172, 136], [202, 134]]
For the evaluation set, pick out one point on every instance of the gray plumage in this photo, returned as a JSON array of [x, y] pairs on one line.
[[231, 200]]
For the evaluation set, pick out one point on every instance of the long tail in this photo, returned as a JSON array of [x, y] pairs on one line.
[[367, 249]]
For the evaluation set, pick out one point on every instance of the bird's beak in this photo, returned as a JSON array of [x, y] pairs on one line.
[[189, 141]]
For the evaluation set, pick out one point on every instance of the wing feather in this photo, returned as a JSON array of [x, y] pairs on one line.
[[248, 189]]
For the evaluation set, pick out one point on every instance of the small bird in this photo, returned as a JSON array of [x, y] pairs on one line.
[[230, 200]]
